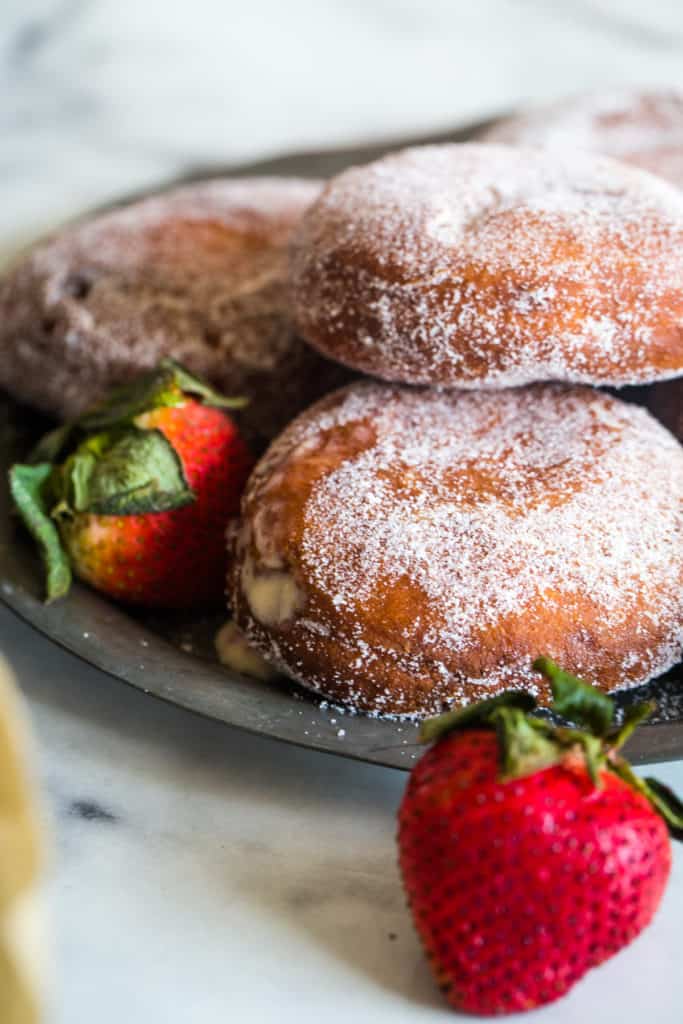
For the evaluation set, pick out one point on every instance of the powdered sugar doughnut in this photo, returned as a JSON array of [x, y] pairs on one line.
[[489, 266], [197, 273], [406, 550], [640, 128]]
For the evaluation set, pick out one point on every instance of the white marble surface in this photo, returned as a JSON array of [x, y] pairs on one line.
[[201, 875], [99, 96]]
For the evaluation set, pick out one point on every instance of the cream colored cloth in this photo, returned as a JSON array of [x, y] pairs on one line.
[[21, 947]]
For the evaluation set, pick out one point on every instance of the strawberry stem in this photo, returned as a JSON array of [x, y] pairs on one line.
[[575, 700], [473, 715], [528, 743], [168, 384], [524, 748]]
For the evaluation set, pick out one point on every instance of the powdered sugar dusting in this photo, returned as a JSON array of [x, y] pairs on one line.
[[460, 548], [478, 265], [645, 129], [245, 204], [545, 515], [198, 273]]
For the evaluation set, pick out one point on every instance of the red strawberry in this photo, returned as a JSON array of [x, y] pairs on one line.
[[530, 853], [139, 503]]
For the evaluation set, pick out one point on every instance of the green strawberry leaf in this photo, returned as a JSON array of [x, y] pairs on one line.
[[191, 385], [474, 715], [575, 700], [28, 485], [166, 385], [662, 799], [529, 743], [524, 748], [130, 472], [122, 404], [668, 804], [52, 445], [77, 474], [591, 746]]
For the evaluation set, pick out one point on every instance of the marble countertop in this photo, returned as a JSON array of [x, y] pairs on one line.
[[99, 97], [199, 874]]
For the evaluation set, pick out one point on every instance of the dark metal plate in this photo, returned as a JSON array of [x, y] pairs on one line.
[[172, 657]]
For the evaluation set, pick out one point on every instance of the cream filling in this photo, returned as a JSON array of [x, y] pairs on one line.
[[235, 653], [273, 596]]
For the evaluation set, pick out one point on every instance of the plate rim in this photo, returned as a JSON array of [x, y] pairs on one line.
[[18, 597]]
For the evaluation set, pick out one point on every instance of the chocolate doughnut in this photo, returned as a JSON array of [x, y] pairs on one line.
[[640, 128], [489, 266], [403, 551], [197, 273]]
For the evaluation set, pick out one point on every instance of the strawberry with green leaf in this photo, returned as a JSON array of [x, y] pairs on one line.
[[134, 497], [530, 851]]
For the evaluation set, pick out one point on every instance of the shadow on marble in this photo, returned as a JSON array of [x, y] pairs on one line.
[[236, 810], [358, 918], [250, 870]]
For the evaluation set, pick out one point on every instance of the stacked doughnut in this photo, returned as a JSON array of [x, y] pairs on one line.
[[415, 539], [643, 128], [414, 543]]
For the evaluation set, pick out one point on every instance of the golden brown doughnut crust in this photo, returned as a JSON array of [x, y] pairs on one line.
[[197, 273], [489, 266], [402, 551], [641, 128]]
